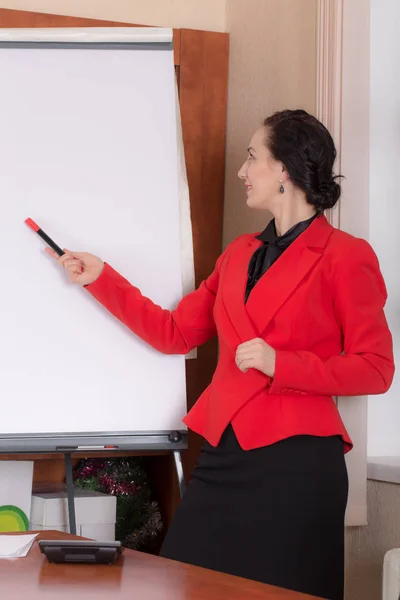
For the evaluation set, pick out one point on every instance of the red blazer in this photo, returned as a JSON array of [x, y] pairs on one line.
[[320, 305]]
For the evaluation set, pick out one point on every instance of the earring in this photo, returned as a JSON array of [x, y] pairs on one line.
[[281, 189]]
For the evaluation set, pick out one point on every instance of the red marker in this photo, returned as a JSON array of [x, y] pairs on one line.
[[44, 237]]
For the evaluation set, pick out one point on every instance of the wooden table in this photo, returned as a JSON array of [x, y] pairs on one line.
[[136, 576]]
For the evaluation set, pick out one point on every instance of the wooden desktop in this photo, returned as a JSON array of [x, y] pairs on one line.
[[135, 575]]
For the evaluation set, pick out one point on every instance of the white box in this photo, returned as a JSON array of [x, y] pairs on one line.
[[15, 494], [95, 513]]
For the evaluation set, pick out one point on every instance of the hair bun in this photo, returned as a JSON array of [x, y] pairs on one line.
[[306, 149], [326, 195]]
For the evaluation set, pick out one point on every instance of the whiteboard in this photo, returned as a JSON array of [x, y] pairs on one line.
[[88, 149]]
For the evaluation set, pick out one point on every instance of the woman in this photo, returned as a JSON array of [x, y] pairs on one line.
[[298, 310]]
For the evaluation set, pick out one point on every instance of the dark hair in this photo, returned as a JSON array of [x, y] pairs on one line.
[[306, 148]]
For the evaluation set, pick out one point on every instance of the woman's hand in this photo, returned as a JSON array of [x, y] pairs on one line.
[[82, 268], [256, 354]]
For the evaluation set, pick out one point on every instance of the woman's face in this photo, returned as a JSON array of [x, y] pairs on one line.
[[261, 173]]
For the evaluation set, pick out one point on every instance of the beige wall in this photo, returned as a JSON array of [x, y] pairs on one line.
[[272, 67], [194, 14], [366, 546]]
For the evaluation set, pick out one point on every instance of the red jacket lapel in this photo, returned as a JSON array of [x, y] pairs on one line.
[[276, 285], [234, 286]]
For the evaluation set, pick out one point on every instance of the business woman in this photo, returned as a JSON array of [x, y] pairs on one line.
[[298, 310]]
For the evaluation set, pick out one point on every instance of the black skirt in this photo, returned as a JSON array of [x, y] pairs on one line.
[[274, 514]]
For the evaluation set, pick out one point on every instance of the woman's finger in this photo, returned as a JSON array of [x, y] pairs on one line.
[[51, 252], [252, 342], [245, 365], [249, 352], [62, 259], [242, 357], [79, 255], [72, 265]]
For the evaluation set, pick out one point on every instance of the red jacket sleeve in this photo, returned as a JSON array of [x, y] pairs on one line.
[[366, 365], [171, 332]]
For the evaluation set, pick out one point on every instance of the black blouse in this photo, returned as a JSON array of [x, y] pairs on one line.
[[274, 245]]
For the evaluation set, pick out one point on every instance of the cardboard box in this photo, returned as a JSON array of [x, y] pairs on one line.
[[95, 513]]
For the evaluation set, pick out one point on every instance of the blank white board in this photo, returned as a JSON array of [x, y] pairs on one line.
[[89, 150]]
